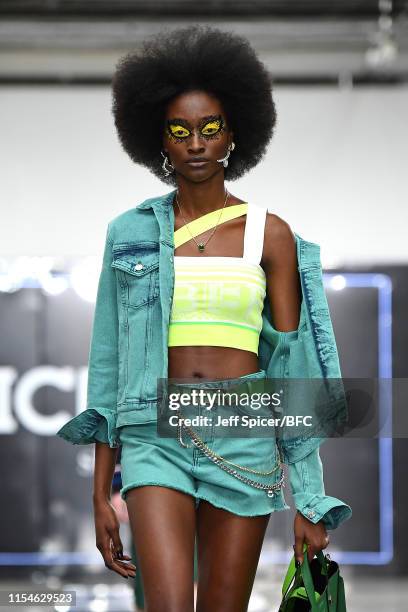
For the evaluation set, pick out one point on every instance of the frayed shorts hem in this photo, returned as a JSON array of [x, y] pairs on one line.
[[197, 498], [137, 484]]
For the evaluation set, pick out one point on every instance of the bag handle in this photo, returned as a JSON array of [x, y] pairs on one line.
[[305, 570], [308, 580], [291, 572]]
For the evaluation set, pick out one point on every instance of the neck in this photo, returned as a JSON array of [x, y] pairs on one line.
[[197, 199]]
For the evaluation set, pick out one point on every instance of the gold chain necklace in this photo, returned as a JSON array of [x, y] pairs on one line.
[[201, 245]]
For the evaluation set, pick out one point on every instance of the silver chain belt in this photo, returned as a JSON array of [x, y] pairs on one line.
[[271, 489]]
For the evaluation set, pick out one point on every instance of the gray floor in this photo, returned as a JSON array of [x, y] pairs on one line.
[[368, 595]]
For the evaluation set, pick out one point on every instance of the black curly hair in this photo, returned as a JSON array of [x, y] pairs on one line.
[[196, 57]]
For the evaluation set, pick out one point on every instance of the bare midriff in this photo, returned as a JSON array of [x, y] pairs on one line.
[[212, 362]]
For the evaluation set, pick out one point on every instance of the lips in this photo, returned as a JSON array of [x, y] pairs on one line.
[[197, 163]]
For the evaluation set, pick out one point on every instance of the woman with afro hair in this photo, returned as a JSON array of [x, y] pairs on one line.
[[195, 107]]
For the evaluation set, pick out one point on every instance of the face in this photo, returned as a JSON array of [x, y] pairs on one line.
[[195, 126]]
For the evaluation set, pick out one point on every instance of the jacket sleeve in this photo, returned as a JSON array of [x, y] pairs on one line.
[[307, 486], [98, 420]]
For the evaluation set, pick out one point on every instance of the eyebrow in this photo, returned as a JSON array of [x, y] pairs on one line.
[[206, 118]]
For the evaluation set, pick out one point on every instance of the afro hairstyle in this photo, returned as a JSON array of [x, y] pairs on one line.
[[196, 57]]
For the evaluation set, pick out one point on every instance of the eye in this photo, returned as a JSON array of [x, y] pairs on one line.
[[211, 128], [178, 130]]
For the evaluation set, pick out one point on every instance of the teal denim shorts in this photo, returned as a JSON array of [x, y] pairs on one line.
[[151, 459]]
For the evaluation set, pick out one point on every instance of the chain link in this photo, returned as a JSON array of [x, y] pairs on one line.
[[219, 460]]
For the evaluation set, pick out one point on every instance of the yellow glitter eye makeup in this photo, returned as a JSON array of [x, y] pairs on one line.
[[179, 131], [211, 128]]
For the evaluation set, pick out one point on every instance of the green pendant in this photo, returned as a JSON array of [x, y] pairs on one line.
[[201, 246]]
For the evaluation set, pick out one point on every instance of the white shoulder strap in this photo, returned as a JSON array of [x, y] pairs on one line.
[[254, 233]]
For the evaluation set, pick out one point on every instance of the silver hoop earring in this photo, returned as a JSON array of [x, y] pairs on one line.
[[224, 160], [166, 165]]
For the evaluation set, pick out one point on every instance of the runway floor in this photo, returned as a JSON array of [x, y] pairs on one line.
[[364, 595]]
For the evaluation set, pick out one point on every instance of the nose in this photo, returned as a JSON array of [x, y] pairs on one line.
[[196, 144]]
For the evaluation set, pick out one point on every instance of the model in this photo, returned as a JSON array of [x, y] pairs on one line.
[[203, 286]]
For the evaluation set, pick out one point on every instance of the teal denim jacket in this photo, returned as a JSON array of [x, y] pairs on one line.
[[129, 344]]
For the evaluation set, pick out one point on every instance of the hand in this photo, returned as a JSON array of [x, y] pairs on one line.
[[313, 534], [108, 541]]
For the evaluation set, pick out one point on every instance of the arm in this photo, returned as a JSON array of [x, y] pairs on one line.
[[108, 539], [116, 500], [315, 510], [97, 423], [279, 261]]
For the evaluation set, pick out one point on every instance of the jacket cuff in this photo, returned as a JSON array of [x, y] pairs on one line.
[[307, 485], [330, 510], [92, 425]]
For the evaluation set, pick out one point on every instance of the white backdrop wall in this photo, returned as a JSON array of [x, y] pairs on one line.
[[336, 170]]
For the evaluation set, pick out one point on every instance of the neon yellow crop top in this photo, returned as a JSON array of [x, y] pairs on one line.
[[218, 301]]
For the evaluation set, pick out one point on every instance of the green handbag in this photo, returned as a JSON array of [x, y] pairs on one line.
[[317, 586]]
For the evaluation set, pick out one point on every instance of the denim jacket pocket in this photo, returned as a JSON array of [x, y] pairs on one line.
[[137, 267], [137, 272]]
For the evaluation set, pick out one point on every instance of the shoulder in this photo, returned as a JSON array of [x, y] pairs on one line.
[[123, 217], [282, 246], [136, 223], [279, 240]]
